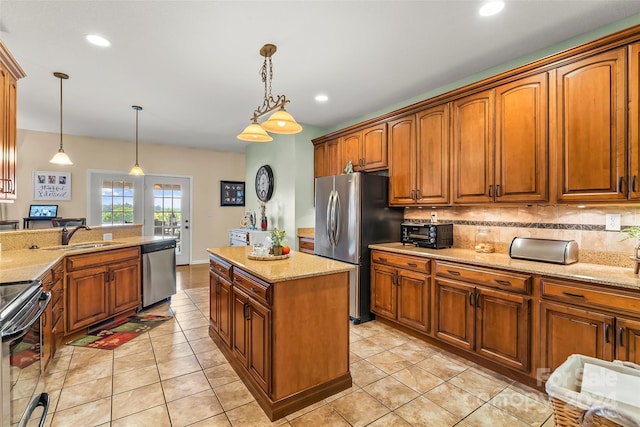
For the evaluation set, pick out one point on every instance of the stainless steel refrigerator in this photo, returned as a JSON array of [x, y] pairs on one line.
[[352, 212]]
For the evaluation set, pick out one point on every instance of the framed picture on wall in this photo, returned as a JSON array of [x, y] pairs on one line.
[[231, 193], [48, 185]]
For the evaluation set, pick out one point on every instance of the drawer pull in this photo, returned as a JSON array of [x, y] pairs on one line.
[[254, 290], [383, 260], [412, 264], [453, 272], [502, 282], [569, 294]]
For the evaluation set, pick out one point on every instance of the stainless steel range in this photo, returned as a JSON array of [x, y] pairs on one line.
[[21, 306]]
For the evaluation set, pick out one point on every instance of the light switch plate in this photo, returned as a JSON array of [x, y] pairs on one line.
[[612, 222]]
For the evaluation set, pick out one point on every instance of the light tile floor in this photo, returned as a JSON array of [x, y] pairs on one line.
[[175, 375]]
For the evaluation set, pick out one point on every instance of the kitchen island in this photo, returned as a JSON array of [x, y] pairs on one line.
[[282, 324]]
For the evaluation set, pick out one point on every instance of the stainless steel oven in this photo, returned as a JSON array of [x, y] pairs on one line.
[[21, 306]]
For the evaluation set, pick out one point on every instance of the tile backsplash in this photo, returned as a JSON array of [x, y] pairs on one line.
[[584, 225]]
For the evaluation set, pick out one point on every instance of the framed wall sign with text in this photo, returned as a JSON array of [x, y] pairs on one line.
[[231, 193], [49, 185]]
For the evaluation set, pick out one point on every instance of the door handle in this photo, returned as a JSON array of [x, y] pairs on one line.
[[633, 183], [620, 181], [478, 299], [620, 336], [471, 299], [336, 214], [497, 190], [490, 190], [329, 204], [245, 310]]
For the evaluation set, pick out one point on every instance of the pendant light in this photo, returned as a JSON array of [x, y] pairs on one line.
[[61, 158], [281, 121], [136, 169]]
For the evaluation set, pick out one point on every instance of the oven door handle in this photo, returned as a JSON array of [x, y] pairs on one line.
[[42, 400], [18, 330]]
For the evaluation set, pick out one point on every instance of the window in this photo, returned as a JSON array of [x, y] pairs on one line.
[[167, 212], [117, 202]]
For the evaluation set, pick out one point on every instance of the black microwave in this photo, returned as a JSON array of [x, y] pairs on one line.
[[427, 235]]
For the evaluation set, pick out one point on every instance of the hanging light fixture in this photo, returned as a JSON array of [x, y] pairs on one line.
[[136, 169], [61, 157], [281, 121]]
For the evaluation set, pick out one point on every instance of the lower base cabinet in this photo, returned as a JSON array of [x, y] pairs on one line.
[[51, 321]]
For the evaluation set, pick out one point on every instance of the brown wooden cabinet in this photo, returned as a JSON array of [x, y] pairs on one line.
[[500, 144], [101, 285], [326, 158], [419, 158], [51, 321], [10, 73], [401, 289], [490, 321], [220, 307], [306, 245], [366, 149], [628, 340], [591, 151], [634, 122]]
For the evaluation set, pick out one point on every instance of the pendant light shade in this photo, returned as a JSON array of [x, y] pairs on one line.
[[61, 158], [280, 121], [136, 169]]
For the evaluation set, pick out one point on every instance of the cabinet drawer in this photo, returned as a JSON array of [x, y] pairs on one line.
[[254, 287], [220, 267], [403, 261], [76, 262], [495, 279], [56, 293], [306, 245], [589, 296], [56, 314]]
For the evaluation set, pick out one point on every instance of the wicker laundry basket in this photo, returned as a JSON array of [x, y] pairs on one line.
[[574, 409]]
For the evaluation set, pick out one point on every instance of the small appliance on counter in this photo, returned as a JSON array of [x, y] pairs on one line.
[[544, 250], [427, 235]]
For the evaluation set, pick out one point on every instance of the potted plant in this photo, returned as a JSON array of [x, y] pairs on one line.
[[277, 238], [634, 232]]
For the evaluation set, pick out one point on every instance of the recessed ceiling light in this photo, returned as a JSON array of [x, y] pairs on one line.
[[322, 98], [491, 8], [98, 40]]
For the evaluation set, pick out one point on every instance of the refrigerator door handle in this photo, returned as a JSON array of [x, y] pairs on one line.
[[329, 204], [336, 215]]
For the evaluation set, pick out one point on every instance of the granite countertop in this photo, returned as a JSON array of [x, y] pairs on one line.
[[593, 273], [297, 266], [28, 264]]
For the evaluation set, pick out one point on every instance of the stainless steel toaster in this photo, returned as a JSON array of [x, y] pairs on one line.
[[545, 250]]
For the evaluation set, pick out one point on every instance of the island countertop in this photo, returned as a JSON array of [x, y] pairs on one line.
[[297, 266]]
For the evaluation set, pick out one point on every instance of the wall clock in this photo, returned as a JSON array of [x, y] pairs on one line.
[[264, 183]]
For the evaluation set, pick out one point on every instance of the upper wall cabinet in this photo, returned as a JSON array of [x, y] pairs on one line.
[[591, 154], [326, 158], [500, 144], [366, 149], [10, 72], [634, 121], [419, 158]]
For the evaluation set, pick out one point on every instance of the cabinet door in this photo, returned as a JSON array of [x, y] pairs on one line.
[[259, 355], [333, 160], [402, 161], [413, 294], [374, 148], [432, 155], [383, 290], [10, 148], [566, 330], [473, 148], [350, 147], [634, 121], [125, 286], [628, 340], [240, 325], [87, 297], [225, 308], [214, 302], [46, 323], [521, 158], [502, 327], [591, 152], [5, 185], [319, 160], [455, 311]]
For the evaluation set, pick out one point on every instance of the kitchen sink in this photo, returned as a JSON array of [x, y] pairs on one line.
[[81, 246]]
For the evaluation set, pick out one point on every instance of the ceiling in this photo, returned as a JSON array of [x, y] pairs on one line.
[[194, 65]]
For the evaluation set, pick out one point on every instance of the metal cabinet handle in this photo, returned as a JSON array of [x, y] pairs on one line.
[[620, 336], [471, 299], [633, 183], [383, 260], [620, 181], [245, 311], [254, 290], [412, 264], [418, 197], [490, 190], [453, 272], [569, 294], [502, 282], [478, 299], [606, 333], [497, 190]]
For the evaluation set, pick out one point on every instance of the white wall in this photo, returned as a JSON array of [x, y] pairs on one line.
[[291, 159], [209, 221]]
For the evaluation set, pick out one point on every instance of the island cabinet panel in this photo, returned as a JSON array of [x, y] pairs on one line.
[[628, 340], [473, 148], [289, 338], [591, 150], [101, 285], [221, 299], [484, 311], [401, 289]]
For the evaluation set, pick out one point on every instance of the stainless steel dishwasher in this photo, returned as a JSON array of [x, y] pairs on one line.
[[158, 271]]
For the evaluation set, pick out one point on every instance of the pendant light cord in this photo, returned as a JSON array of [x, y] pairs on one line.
[[137, 110], [60, 113]]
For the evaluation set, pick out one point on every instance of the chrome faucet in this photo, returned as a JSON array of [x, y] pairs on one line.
[[66, 236]]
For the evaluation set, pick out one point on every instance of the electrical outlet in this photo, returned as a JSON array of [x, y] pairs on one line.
[[107, 236], [434, 218], [612, 222]]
